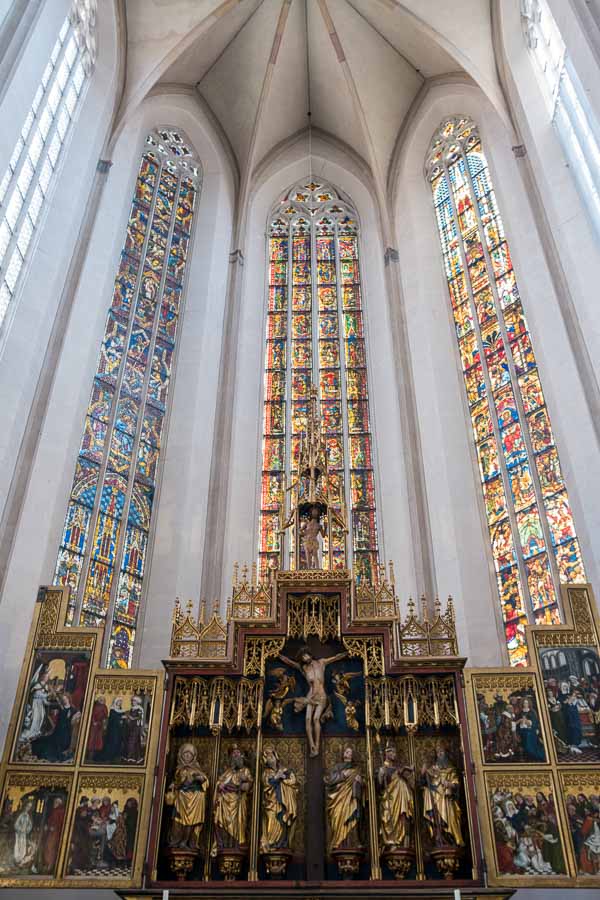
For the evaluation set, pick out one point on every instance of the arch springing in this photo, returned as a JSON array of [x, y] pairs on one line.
[[315, 334], [104, 549], [532, 534]]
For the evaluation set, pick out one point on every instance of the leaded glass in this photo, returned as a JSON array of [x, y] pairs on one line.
[[103, 550], [314, 335], [532, 534]]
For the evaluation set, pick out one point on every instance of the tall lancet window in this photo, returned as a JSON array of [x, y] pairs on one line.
[[30, 175], [315, 335], [568, 103], [532, 535], [104, 550]]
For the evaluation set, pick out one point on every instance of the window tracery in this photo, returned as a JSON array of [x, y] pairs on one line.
[[531, 530], [315, 334], [104, 550], [28, 180]]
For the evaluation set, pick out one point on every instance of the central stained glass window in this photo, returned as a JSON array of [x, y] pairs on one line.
[[315, 334], [531, 529]]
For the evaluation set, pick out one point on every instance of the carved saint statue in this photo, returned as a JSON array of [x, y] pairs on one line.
[[396, 802], [187, 796], [345, 787], [316, 702], [310, 531], [441, 783], [232, 803], [279, 803]]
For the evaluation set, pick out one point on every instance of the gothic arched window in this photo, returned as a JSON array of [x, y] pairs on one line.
[[103, 553], [568, 103], [315, 334], [30, 174], [531, 528]]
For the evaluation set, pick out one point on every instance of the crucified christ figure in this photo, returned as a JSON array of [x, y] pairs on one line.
[[316, 700]]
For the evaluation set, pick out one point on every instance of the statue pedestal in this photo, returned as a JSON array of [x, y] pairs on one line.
[[447, 860], [181, 861], [230, 862], [276, 862], [399, 861], [348, 861]]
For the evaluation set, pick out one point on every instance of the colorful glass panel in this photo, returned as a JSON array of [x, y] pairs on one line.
[[532, 535], [313, 253], [102, 556]]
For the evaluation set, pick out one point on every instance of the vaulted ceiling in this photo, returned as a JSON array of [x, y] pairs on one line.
[[259, 63]]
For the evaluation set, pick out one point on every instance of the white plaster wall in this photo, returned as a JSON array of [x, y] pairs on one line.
[[28, 323], [241, 542], [176, 564], [461, 546]]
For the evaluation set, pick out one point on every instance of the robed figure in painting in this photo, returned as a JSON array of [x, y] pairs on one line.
[[344, 786], [232, 803], [52, 833], [441, 784], [187, 796], [396, 802], [97, 725], [279, 803], [23, 827]]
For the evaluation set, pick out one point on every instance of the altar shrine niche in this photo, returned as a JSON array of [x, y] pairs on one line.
[[320, 739]]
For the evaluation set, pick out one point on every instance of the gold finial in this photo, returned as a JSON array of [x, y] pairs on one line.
[[245, 573], [424, 610], [202, 617], [188, 608], [450, 608], [236, 572], [228, 611], [411, 607], [176, 612], [437, 607], [392, 575], [254, 580]]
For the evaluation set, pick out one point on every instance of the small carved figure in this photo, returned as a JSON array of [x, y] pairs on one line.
[[441, 782], [232, 803], [310, 531], [277, 699], [279, 803], [341, 689], [396, 801], [344, 786], [316, 703], [187, 796]]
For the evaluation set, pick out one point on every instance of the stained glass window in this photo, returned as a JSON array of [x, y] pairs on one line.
[[531, 530], [315, 335], [103, 552], [28, 180]]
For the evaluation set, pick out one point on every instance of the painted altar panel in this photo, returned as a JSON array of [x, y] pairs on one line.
[[59, 825], [536, 743]]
